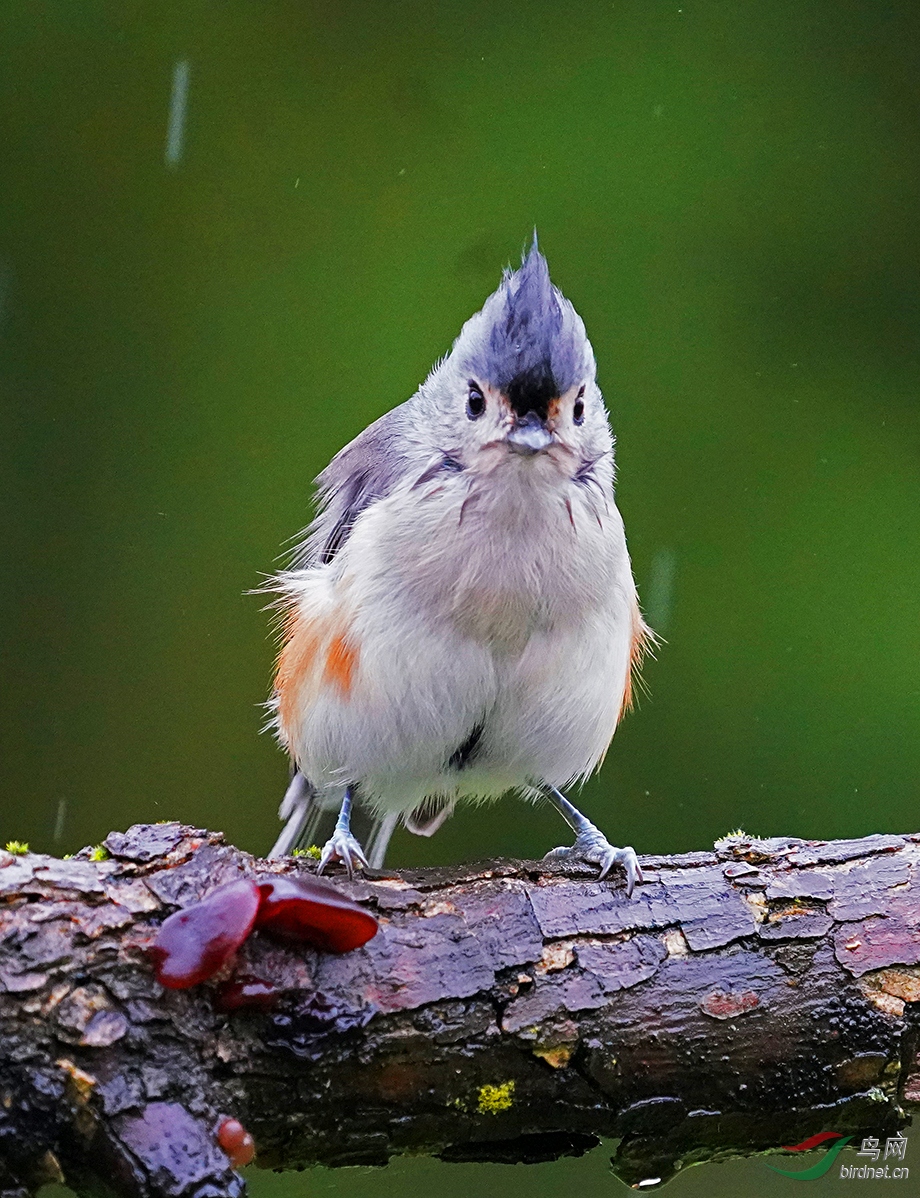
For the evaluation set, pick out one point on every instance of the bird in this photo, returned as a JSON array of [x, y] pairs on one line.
[[460, 621]]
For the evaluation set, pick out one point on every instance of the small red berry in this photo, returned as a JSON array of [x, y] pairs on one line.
[[236, 1142]]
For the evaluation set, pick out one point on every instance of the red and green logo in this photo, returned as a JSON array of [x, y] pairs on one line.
[[835, 1142]]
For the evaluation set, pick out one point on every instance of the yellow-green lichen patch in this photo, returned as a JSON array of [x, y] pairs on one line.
[[18, 848], [99, 853], [313, 851], [493, 1099]]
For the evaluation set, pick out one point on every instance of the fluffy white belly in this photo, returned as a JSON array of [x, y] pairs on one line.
[[460, 655]]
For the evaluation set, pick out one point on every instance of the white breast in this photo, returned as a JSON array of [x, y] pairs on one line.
[[504, 600], [502, 554]]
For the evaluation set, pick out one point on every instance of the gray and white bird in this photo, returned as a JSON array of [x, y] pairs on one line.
[[461, 620]]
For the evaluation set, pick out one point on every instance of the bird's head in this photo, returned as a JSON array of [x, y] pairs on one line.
[[520, 378]]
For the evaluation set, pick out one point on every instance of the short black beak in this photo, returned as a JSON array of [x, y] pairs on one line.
[[529, 434]]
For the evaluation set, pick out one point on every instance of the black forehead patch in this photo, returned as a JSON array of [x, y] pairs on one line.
[[532, 390], [530, 347]]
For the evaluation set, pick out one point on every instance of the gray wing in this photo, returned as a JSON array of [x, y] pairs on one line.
[[366, 470]]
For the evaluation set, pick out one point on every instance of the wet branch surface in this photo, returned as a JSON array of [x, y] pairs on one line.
[[743, 999]]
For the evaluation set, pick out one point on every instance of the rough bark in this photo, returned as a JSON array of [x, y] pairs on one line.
[[743, 999]]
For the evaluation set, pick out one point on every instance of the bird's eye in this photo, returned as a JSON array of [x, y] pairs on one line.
[[475, 401], [578, 411]]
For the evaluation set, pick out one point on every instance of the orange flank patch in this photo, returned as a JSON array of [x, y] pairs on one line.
[[295, 661], [340, 663], [310, 646], [642, 641]]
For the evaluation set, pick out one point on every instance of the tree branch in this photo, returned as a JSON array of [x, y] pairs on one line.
[[742, 999]]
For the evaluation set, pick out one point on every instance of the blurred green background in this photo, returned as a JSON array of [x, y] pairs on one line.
[[191, 326]]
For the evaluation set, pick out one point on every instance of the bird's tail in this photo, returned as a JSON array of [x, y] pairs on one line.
[[379, 839], [304, 814], [301, 814]]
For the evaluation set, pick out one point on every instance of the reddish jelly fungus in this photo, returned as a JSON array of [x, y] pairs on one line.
[[193, 944], [236, 1141], [245, 990], [300, 909]]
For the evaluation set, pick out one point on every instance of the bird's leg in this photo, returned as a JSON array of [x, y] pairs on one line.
[[590, 843], [341, 845]]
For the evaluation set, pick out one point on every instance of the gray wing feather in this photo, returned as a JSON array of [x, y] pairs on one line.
[[367, 469]]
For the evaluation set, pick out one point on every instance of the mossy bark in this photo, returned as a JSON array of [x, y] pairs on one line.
[[743, 999]]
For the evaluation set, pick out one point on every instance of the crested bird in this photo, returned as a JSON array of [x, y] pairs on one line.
[[461, 619]]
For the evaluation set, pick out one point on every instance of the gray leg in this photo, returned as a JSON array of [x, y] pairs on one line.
[[342, 846], [590, 843]]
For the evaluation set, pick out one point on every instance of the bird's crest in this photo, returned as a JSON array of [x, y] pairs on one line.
[[534, 344]]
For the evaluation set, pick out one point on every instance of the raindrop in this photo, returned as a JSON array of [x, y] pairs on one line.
[[178, 101]]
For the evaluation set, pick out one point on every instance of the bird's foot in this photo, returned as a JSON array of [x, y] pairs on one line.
[[592, 845], [342, 846]]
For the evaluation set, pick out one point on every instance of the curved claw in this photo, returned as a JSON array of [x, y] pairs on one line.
[[342, 846], [594, 847]]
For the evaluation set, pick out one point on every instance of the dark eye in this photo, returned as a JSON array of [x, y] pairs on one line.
[[578, 411], [475, 402]]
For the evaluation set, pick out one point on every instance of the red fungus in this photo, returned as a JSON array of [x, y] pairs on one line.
[[301, 909], [236, 1141], [194, 943], [245, 990]]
